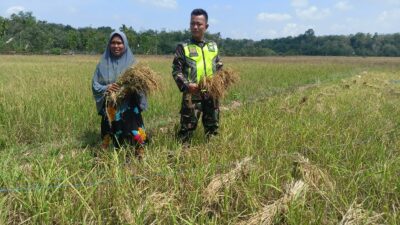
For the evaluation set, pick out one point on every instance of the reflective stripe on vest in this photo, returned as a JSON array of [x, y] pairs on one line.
[[202, 61]]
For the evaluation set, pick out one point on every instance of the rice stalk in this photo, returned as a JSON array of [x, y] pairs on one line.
[[217, 85], [126, 215], [312, 175], [211, 195], [155, 205], [267, 215], [315, 177], [357, 215], [138, 78]]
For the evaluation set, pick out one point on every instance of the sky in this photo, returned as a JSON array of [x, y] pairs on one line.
[[237, 19]]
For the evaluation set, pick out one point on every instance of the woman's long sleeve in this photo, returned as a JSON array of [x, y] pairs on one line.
[[98, 89]]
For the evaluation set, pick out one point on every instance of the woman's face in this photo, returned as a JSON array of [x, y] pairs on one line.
[[117, 46]]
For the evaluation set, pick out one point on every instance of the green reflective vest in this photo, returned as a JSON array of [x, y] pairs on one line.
[[200, 62]]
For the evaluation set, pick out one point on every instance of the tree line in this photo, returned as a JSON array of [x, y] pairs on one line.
[[23, 33]]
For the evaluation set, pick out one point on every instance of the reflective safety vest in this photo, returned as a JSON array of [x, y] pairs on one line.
[[200, 62]]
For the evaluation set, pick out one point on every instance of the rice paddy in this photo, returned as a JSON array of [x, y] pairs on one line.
[[303, 140]]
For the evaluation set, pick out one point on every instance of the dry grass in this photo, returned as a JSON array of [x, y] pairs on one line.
[[157, 206], [154, 206], [312, 175], [315, 177], [357, 215], [268, 214], [136, 79], [126, 215], [217, 85], [212, 193]]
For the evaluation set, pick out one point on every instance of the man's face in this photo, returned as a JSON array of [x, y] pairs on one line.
[[198, 27], [117, 46]]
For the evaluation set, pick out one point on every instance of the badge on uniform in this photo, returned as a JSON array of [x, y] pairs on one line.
[[211, 48], [193, 52]]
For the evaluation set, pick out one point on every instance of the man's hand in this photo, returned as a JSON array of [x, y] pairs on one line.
[[113, 87], [193, 88]]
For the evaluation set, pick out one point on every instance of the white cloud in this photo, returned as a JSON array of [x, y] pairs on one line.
[[389, 16], [343, 6], [269, 34], [14, 9], [312, 13], [238, 34], [352, 20], [338, 28], [219, 7], [273, 17], [73, 10], [171, 4], [293, 29], [392, 2], [388, 20], [299, 3]]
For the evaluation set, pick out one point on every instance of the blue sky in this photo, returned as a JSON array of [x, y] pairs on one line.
[[253, 19]]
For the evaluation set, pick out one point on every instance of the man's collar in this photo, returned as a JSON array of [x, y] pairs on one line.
[[198, 42]]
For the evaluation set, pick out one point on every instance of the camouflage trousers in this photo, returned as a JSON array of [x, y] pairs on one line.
[[191, 110]]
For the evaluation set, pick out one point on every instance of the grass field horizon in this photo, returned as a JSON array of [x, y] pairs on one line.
[[303, 140]]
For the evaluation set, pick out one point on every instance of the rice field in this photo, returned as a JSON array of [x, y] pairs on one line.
[[303, 140]]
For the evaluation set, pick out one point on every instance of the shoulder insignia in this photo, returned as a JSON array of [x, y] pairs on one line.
[[211, 47]]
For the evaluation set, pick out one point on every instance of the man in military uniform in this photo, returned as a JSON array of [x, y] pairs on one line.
[[194, 60]]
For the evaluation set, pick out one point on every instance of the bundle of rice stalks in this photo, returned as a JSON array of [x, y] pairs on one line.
[[268, 214], [312, 175], [212, 193], [315, 177], [125, 215], [136, 79], [357, 215], [156, 207], [217, 85]]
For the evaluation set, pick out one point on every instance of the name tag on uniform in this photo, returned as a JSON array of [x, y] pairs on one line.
[[193, 52]]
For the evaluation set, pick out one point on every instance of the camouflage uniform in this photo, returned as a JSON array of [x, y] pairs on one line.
[[193, 105]]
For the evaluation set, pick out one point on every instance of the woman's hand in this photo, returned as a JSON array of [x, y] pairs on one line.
[[113, 87]]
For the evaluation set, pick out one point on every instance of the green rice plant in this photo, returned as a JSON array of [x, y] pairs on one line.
[[341, 114]]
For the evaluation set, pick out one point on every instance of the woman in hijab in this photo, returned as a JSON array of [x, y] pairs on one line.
[[126, 126]]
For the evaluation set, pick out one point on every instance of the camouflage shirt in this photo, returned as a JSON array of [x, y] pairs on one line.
[[178, 65]]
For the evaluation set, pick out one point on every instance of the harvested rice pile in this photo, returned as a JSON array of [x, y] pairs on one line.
[[212, 194], [267, 215], [217, 85], [357, 215], [312, 175], [138, 78]]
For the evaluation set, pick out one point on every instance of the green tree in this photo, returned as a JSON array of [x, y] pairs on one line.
[[390, 50], [73, 39], [131, 35], [23, 33], [3, 26]]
